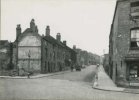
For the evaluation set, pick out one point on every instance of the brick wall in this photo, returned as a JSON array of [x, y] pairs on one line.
[[120, 39]]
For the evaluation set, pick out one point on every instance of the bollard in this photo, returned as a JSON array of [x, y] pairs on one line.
[[28, 75], [96, 81]]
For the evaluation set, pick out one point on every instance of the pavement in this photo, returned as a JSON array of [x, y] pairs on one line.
[[34, 76], [105, 83]]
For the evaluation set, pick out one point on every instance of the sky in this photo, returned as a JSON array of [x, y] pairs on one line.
[[84, 23]]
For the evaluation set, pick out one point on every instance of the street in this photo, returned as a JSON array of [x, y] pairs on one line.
[[85, 75], [71, 85]]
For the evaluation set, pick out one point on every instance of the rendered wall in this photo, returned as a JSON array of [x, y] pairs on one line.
[[29, 53]]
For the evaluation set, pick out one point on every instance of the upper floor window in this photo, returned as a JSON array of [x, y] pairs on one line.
[[135, 10], [135, 4], [135, 38]]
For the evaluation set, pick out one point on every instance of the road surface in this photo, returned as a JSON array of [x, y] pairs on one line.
[[68, 86], [85, 75]]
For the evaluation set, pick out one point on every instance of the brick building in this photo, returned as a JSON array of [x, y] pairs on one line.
[[5, 56], [40, 54], [124, 43], [57, 56], [87, 58]]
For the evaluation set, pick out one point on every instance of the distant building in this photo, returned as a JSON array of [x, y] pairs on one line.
[[5, 56], [124, 43], [106, 63], [87, 58]]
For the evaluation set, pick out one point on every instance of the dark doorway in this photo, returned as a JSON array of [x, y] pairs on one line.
[[134, 71], [49, 70]]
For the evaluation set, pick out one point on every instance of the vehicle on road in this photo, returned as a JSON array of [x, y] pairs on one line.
[[78, 68]]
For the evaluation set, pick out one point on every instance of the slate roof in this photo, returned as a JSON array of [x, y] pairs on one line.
[[47, 38], [54, 41]]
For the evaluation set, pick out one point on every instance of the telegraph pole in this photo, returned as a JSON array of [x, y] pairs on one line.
[[29, 55]]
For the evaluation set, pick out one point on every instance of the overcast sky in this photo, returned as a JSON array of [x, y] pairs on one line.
[[84, 23]]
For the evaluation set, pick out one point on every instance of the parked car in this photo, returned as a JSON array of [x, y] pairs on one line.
[[78, 68]]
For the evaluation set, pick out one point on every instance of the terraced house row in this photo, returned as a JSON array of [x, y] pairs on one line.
[[40, 54], [32, 52], [86, 58]]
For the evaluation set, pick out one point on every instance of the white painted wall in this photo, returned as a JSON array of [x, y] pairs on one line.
[[30, 41], [35, 52], [29, 44]]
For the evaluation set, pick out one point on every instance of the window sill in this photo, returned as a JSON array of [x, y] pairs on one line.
[[136, 48]]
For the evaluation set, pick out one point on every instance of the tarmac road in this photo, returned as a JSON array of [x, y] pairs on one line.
[[62, 87], [85, 75]]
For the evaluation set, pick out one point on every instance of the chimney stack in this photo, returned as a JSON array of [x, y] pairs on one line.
[[36, 29], [18, 30], [65, 42], [47, 33], [32, 25], [58, 37], [74, 47]]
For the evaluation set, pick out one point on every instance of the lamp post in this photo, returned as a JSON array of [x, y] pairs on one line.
[[29, 55]]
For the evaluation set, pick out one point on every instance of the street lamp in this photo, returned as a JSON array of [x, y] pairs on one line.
[[29, 55]]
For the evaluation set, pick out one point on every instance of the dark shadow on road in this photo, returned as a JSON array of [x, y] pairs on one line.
[[89, 77], [85, 75]]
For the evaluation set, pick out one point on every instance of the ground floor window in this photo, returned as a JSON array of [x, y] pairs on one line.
[[134, 72]]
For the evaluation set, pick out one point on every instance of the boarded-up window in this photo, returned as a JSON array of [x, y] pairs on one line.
[[135, 4]]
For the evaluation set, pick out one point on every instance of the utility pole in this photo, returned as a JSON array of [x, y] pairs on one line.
[[29, 55]]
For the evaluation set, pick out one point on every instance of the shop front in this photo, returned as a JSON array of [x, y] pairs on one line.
[[132, 72]]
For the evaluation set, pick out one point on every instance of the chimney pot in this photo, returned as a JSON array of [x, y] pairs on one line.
[[65, 42], [32, 25], [18, 30], [58, 37], [47, 33]]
